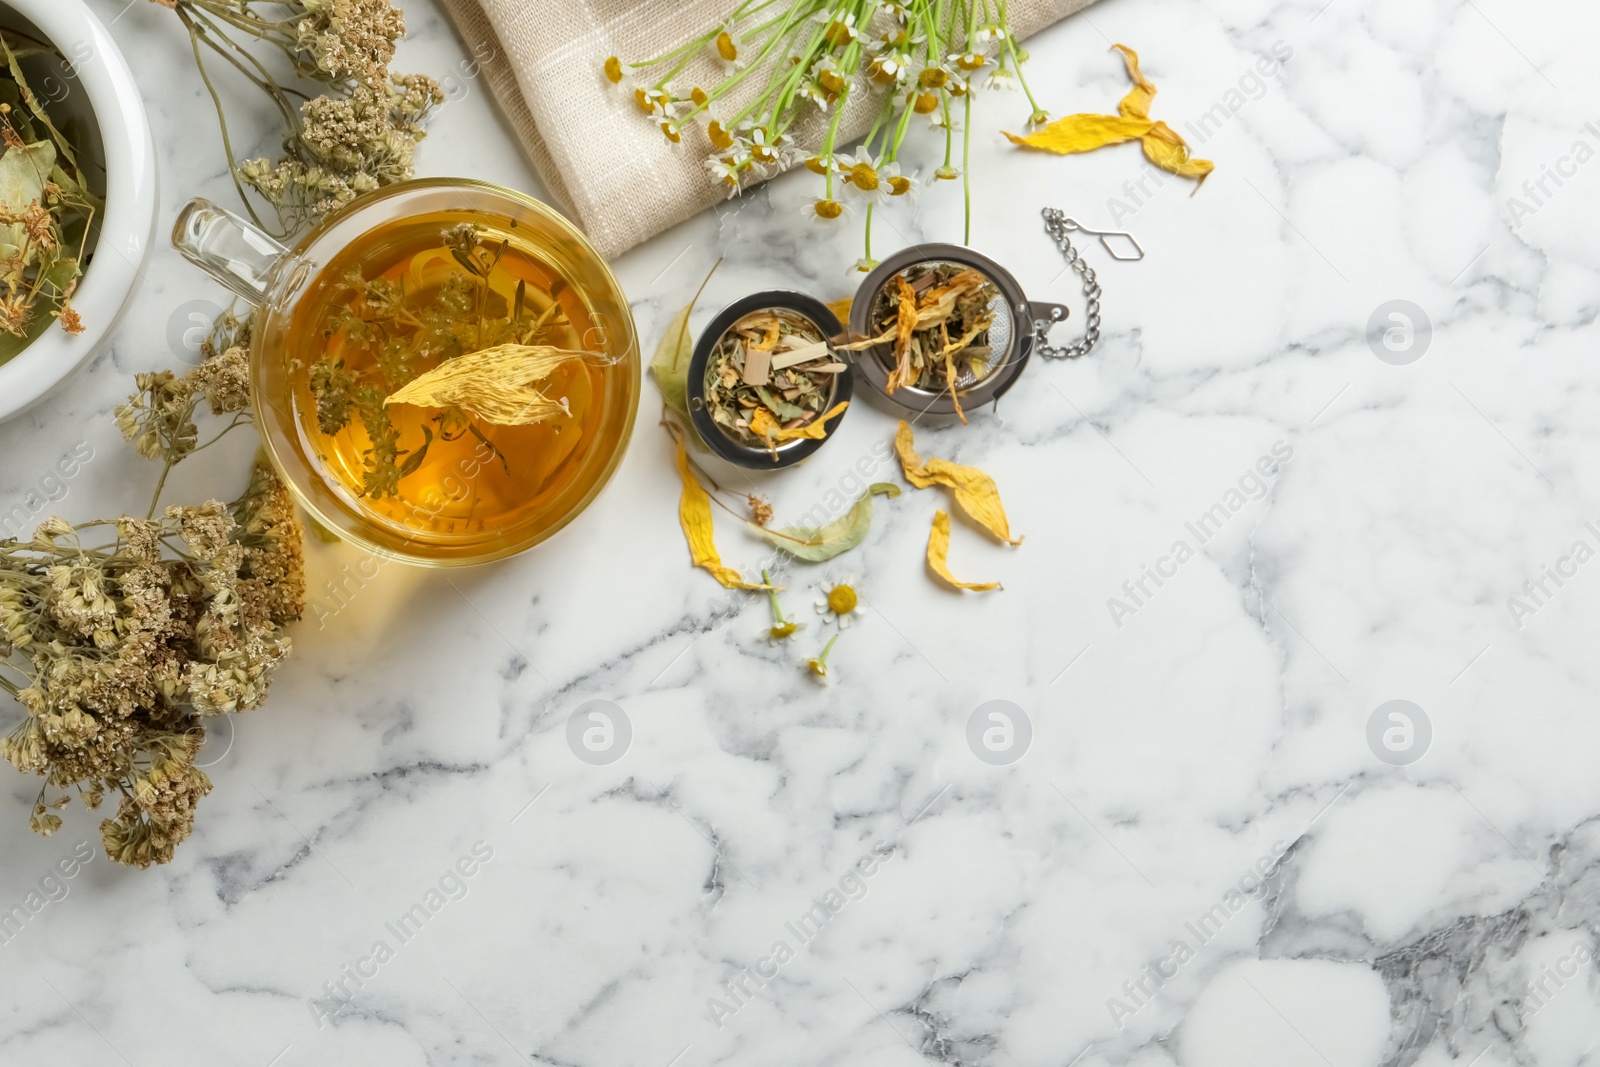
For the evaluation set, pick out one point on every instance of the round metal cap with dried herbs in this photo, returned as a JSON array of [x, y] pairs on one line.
[[765, 386], [943, 329]]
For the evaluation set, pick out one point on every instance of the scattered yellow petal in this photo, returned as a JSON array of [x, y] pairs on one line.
[[816, 429], [494, 384], [1137, 103], [841, 308], [694, 515], [939, 553], [974, 491], [1084, 133]]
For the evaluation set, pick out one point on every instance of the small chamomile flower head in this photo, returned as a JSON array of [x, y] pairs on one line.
[[839, 27], [719, 136], [729, 48], [828, 75], [658, 102], [813, 91], [818, 667], [766, 152], [1001, 78], [924, 102], [827, 209], [819, 164], [725, 173], [704, 108], [969, 63], [989, 34], [889, 68], [897, 183], [617, 73], [897, 10], [866, 264], [840, 602], [947, 173], [861, 175], [672, 131]]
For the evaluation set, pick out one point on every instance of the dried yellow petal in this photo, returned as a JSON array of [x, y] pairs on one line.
[[841, 308], [939, 553], [816, 429], [493, 384], [974, 491], [1084, 133], [694, 515]]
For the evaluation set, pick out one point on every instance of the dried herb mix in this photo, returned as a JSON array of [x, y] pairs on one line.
[[771, 378], [937, 316]]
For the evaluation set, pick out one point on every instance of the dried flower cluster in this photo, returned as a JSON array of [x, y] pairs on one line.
[[359, 135], [121, 638], [45, 209], [922, 58]]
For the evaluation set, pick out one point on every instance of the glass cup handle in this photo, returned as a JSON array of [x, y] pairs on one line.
[[227, 247]]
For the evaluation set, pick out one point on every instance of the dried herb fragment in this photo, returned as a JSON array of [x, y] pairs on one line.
[[939, 553], [770, 379], [974, 491], [1084, 133], [817, 544]]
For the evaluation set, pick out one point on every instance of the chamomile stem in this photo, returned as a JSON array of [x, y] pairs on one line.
[[966, 171]]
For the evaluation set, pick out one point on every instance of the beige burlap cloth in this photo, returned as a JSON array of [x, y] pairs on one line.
[[607, 166]]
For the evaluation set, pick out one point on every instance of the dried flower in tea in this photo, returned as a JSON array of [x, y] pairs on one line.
[[770, 379], [937, 315]]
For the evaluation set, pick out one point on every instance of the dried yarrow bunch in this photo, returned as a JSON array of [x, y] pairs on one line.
[[922, 59], [358, 135], [121, 638]]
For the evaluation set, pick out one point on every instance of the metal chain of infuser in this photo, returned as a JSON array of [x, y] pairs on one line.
[[1057, 225]]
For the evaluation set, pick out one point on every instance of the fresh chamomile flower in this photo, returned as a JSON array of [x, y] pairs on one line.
[[654, 101], [897, 10], [839, 27], [827, 209], [813, 91], [782, 628], [947, 173], [725, 173], [866, 264], [989, 34], [889, 68], [969, 63], [765, 150], [1001, 78], [705, 109], [729, 48], [672, 131], [819, 164], [819, 665], [827, 74], [617, 73], [861, 175], [898, 184], [840, 602]]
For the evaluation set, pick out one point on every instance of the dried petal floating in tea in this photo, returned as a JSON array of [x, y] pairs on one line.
[[495, 384], [974, 491], [1084, 133], [939, 553]]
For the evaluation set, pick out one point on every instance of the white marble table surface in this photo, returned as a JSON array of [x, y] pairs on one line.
[[1095, 902]]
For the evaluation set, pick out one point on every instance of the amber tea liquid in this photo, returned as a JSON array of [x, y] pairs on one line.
[[475, 479]]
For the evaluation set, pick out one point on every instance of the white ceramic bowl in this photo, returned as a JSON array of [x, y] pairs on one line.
[[95, 84]]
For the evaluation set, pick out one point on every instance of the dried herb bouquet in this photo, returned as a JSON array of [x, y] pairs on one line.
[[122, 638]]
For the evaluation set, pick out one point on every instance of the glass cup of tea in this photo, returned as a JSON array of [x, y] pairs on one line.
[[444, 372]]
